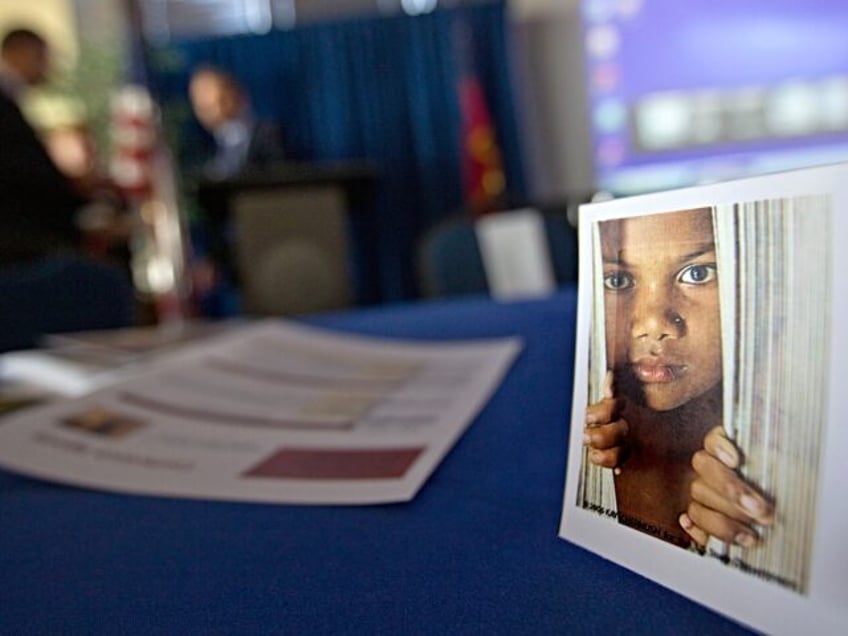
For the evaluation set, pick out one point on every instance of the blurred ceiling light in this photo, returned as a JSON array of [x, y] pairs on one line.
[[418, 7], [258, 15]]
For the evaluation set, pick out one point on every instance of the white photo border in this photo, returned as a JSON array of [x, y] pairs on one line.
[[742, 597]]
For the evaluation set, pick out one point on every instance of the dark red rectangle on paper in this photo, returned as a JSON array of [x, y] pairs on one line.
[[318, 463]]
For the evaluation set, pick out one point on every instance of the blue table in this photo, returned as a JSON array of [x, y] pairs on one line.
[[475, 552]]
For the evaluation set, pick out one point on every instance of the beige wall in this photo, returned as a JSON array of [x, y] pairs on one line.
[[552, 98], [51, 18], [88, 39], [536, 8]]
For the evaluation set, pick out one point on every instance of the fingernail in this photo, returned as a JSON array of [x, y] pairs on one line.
[[591, 418], [726, 452], [586, 438], [752, 505], [685, 522], [725, 457], [608, 385], [745, 540]]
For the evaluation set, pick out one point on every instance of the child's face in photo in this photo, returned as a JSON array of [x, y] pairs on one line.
[[662, 306]]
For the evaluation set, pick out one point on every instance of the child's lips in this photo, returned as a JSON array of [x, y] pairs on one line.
[[656, 371]]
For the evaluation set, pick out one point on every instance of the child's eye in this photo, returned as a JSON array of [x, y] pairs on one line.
[[697, 274], [617, 281]]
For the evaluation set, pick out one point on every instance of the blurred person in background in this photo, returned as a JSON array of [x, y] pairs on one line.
[[48, 284], [105, 221], [222, 106], [242, 142], [53, 197], [38, 204]]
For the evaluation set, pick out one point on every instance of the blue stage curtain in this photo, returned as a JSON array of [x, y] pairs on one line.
[[382, 89]]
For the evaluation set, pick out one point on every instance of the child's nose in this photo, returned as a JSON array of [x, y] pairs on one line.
[[655, 316]]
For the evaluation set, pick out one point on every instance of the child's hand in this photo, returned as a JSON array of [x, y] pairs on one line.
[[605, 430], [721, 503]]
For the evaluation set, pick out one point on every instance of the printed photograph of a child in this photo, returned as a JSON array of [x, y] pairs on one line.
[[656, 421]]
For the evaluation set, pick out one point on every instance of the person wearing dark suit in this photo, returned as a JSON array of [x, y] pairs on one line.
[[222, 107], [47, 283], [38, 204], [242, 143]]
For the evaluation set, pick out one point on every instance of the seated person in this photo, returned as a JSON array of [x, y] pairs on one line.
[[223, 108]]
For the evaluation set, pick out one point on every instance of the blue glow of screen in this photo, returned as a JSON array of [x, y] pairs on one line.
[[704, 90]]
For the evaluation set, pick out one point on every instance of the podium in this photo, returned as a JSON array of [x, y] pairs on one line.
[[296, 238]]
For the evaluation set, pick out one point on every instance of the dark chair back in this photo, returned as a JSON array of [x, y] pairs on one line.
[[61, 294], [449, 261]]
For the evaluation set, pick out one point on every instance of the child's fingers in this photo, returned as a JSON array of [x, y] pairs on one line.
[[721, 526], [603, 412], [606, 436], [609, 458], [606, 388], [719, 446], [605, 431], [701, 492], [732, 488], [698, 535]]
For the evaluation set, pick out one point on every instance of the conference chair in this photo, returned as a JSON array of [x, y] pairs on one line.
[[449, 261], [61, 294]]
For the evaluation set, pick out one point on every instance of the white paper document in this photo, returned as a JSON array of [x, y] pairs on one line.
[[72, 364], [707, 429], [273, 412]]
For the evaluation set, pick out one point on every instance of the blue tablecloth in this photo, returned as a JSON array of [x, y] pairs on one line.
[[475, 552]]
